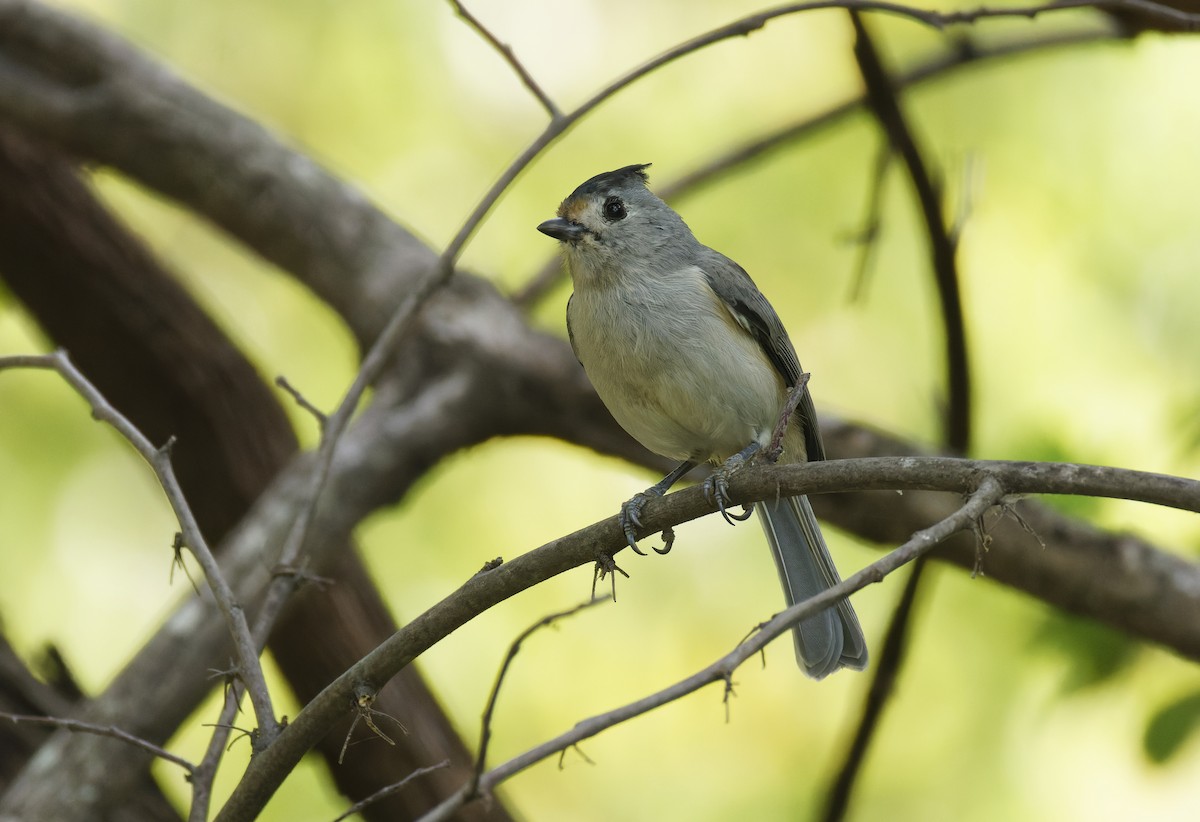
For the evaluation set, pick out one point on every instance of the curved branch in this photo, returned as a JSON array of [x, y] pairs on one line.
[[988, 493], [1180, 594], [76, 726], [882, 100], [505, 51], [963, 53], [159, 459]]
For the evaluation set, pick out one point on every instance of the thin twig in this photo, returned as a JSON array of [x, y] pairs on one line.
[[884, 102], [989, 493], [889, 660], [302, 401], [485, 733], [867, 237], [364, 710], [795, 396], [510, 57], [205, 774], [384, 793], [963, 53], [249, 668], [78, 726], [881, 98]]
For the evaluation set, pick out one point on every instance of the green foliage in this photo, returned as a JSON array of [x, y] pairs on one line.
[[1170, 727], [1094, 653]]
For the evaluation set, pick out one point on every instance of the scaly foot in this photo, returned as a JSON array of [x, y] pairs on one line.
[[716, 487], [630, 517]]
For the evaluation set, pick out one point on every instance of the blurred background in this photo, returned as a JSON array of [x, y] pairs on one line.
[[1076, 171]]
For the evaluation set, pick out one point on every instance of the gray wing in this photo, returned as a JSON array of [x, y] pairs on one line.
[[750, 308]]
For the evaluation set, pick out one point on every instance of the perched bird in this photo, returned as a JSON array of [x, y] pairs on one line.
[[694, 363]]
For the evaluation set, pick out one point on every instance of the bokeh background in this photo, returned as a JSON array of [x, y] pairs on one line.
[[1078, 172]]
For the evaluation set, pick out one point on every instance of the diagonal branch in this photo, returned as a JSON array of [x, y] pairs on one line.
[[510, 57], [989, 493], [962, 54], [159, 459], [385, 792], [485, 732], [1181, 583]]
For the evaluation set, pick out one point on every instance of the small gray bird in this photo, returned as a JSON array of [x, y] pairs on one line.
[[693, 362]]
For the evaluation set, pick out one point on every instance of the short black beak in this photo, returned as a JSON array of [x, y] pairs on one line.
[[561, 229]]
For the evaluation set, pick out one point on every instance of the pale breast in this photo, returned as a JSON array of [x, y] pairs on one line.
[[673, 367]]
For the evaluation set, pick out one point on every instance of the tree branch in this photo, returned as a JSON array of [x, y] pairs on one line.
[[989, 493], [78, 726], [485, 731], [510, 57], [268, 769], [881, 99], [384, 793], [962, 53], [159, 459]]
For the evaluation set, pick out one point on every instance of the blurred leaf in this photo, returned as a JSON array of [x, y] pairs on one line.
[[1170, 727], [1094, 653]]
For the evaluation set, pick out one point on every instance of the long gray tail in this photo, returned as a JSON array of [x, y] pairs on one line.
[[831, 639]]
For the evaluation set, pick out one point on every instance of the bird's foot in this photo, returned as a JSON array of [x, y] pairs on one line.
[[630, 517], [716, 487]]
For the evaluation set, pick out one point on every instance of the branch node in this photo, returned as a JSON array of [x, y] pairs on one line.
[[300, 400]]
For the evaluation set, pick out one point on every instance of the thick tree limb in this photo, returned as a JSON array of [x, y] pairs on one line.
[[159, 358], [295, 214]]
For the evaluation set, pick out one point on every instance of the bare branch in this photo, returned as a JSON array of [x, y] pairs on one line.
[[302, 401], [888, 663], [270, 767], [989, 493], [867, 238], [384, 793], [882, 100], [510, 57], [205, 774], [962, 54], [77, 726], [159, 459], [485, 732]]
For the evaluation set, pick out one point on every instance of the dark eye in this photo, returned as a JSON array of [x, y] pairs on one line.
[[614, 209]]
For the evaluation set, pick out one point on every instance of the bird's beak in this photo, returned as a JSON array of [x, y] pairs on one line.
[[561, 229]]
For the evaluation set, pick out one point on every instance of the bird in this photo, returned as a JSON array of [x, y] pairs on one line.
[[693, 362]]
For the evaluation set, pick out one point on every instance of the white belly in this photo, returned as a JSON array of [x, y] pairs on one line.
[[700, 389]]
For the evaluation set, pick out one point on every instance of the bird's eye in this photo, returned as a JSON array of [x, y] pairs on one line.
[[614, 209]]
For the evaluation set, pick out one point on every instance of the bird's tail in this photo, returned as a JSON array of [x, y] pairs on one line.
[[832, 638]]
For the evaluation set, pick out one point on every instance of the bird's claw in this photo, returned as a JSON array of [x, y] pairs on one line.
[[668, 536], [716, 487], [716, 491], [631, 520]]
